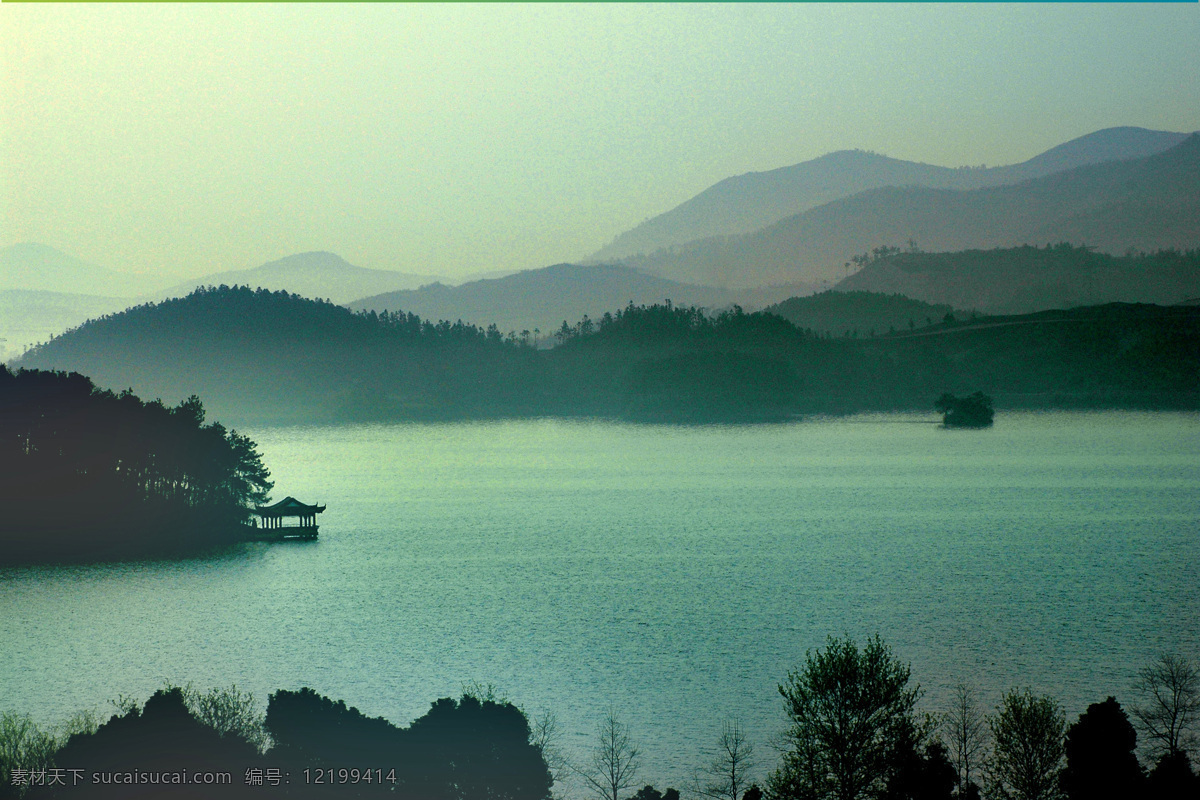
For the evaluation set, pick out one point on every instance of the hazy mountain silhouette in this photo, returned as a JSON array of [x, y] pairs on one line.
[[545, 298], [1144, 204], [1109, 144], [315, 274], [28, 317], [1024, 279], [38, 267], [746, 203], [838, 313]]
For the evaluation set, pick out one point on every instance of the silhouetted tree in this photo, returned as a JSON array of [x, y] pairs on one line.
[[650, 793], [24, 747], [544, 735], [93, 472], [1101, 759], [922, 773], [473, 749], [229, 712], [1173, 779], [312, 731]]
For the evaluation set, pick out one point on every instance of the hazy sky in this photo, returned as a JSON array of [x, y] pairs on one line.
[[185, 139]]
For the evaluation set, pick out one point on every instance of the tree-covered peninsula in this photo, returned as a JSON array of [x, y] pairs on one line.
[[91, 473]]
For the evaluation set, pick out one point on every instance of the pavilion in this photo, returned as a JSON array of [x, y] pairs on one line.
[[273, 517]]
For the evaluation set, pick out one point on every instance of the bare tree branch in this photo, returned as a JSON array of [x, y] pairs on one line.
[[1171, 691], [727, 776], [966, 734], [615, 761], [545, 736]]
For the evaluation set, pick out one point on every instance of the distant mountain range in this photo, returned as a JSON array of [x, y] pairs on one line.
[[545, 298], [34, 305], [38, 267], [1100, 190], [1144, 204], [316, 274], [746, 203], [28, 317]]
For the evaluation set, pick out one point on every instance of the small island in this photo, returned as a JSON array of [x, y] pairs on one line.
[[972, 411]]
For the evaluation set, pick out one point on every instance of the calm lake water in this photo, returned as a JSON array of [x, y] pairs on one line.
[[674, 573]]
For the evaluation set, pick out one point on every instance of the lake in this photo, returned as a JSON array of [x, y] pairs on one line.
[[673, 573]]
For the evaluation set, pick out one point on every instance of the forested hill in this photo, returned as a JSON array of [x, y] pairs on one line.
[[262, 356], [838, 313], [1145, 204], [666, 362], [1113, 355], [1025, 279], [273, 356], [671, 363]]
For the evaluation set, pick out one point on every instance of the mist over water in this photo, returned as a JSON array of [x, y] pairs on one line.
[[676, 573]]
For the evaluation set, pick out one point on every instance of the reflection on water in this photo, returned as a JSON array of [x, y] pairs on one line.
[[674, 572]]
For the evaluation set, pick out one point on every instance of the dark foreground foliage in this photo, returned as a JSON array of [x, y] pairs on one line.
[[163, 737], [92, 473], [467, 749], [854, 734], [459, 750], [1101, 755]]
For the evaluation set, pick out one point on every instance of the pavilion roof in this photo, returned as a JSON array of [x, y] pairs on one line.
[[288, 507]]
